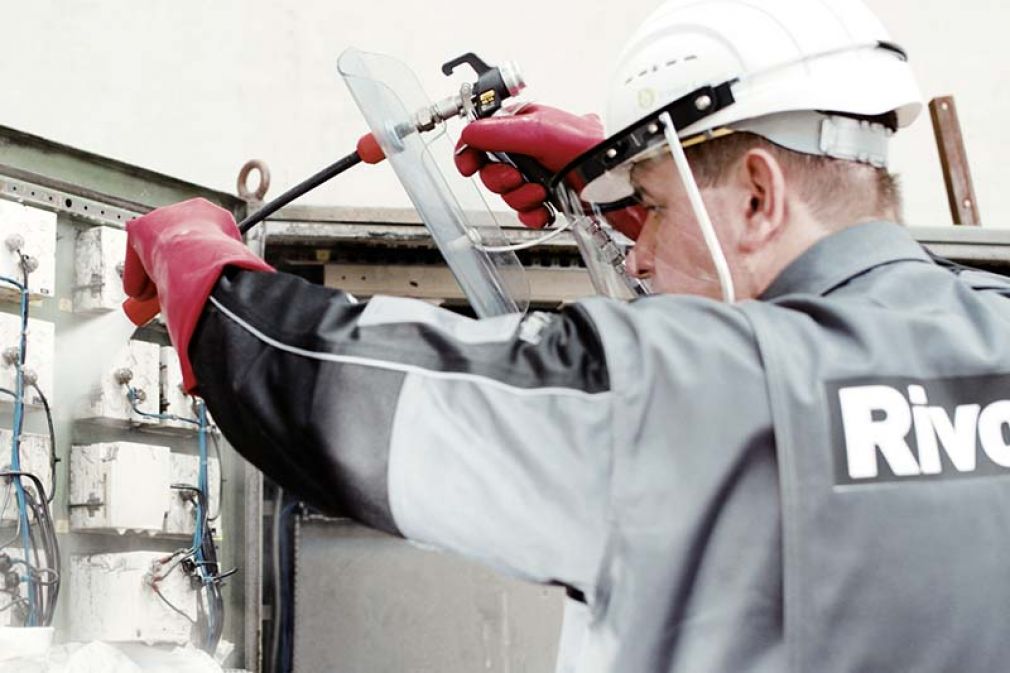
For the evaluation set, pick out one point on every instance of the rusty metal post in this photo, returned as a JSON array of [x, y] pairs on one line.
[[954, 160]]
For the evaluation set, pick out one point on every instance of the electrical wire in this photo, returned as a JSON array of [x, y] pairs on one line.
[[275, 553], [204, 565], [281, 653], [42, 593], [213, 433], [38, 536], [53, 460], [173, 606], [19, 411]]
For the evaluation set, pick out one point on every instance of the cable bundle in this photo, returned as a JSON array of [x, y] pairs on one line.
[[36, 604], [199, 561]]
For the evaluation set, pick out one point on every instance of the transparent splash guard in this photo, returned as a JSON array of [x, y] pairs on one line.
[[452, 207]]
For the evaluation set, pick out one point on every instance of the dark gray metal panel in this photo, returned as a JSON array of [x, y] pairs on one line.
[[368, 602]]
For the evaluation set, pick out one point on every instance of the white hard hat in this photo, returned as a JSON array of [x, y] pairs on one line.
[[745, 64], [784, 55], [815, 76]]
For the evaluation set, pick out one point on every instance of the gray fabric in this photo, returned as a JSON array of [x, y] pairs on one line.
[[692, 580], [730, 454], [513, 477], [383, 310], [740, 488]]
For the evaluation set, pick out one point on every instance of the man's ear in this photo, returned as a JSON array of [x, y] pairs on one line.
[[763, 188]]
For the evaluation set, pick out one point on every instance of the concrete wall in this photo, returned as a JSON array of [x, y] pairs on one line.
[[194, 88]]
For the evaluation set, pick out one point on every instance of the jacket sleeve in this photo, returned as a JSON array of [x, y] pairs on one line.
[[491, 438]]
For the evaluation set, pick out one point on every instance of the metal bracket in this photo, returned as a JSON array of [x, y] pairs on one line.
[[954, 161], [48, 198]]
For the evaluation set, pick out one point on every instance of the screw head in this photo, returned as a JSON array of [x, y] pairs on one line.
[[703, 102]]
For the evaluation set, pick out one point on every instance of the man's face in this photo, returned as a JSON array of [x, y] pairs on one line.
[[670, 251]]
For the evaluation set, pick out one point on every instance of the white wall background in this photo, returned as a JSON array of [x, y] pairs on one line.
[[194, 88]]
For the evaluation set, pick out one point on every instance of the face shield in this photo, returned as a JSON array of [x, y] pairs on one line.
[[638, 183]]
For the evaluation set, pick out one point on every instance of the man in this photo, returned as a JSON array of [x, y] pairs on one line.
[[803, 467]]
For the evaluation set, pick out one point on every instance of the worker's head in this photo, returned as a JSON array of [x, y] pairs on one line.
[[782, 110]]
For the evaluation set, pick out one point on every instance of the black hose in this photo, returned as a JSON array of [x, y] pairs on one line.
[[325, 175]]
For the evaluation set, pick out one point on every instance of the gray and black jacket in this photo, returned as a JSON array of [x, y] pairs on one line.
[[812, 482]]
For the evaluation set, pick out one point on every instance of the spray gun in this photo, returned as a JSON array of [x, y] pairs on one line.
[[475, 100]]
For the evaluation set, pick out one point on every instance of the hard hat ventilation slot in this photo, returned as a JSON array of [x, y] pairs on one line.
[[657, 66]]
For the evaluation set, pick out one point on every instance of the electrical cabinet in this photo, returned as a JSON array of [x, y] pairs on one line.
[[181, 518], [111, 599], [31, 232], [39, 361], [66, 209], [98, 269], [36, 457], [137, 367], [119, 487]]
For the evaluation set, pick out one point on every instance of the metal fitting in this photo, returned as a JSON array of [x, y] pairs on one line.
[[12, 355], [512, 77], [31, 264], [15, 242], [139, 395], [30, 377], [120, 269], [123, 376], [425, 119]]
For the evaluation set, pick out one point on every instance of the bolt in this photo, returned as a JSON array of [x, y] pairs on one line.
[[12, 355], [15, 242], [612, 153], [703, 103], [653, 129], [123, 376]]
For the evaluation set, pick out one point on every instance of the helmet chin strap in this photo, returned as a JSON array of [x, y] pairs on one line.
[[698, 206]]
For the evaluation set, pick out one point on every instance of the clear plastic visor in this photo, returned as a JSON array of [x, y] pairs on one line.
[[649, 195]]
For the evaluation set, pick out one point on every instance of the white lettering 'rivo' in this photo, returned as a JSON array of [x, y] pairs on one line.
[[932, 429]]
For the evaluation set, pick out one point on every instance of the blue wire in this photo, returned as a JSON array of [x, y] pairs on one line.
[[19, 409], [199, 532], [201, 485]]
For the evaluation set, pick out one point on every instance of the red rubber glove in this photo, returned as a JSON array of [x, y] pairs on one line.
[[550, 136], [177, 254]]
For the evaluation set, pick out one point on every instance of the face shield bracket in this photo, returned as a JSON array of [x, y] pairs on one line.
[[644, 135]]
